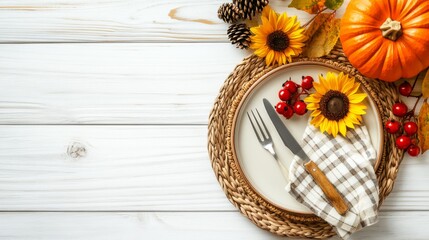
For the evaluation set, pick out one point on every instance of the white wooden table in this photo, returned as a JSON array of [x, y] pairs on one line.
[[103, 112]]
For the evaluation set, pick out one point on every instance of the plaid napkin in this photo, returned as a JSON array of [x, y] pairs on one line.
[[348, 164]]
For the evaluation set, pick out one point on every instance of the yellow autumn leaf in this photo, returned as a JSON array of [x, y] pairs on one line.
[[315, 25], [323, 34], [425, 86], [424, 127], [310, 6]]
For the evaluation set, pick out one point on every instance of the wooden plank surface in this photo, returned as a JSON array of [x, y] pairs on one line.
[[182, 225], [107, 168], [112, 83], [144, 168], [23, 21]]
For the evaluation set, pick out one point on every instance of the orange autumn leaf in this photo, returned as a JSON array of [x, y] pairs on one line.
[[425, 85], [323, 34], [424, 127]]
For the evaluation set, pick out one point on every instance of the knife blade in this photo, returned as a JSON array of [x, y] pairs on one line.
[[286, 136], [320, 178]]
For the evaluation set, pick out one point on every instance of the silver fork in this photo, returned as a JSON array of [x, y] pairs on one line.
[[264, 138]]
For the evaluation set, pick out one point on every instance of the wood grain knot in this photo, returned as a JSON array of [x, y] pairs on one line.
[[76, 150]]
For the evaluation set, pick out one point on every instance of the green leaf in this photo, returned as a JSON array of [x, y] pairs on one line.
[[323, 34], [310, 6], [333, 4]]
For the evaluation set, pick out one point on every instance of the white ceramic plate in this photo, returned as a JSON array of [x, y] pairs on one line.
[[258, 166]]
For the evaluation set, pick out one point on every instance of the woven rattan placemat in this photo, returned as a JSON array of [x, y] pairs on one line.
[[262, 213]]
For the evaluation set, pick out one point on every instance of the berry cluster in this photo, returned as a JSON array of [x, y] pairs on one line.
[[407, 133], [290, 94], [406, 139]]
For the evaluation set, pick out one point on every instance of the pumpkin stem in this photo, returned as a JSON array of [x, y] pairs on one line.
[[391, 29]]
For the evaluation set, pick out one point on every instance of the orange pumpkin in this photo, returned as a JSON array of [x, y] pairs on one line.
[[387, 39]]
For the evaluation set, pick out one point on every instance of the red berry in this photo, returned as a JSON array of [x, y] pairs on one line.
[[290, 86], [307, 82], [288, 113], [300, 107], [413, 150], [403, 142], [399, 109], [405, 89], [284, 94], [410, 128], [392, 126], [280, 107]]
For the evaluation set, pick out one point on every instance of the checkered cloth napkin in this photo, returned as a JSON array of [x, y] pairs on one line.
[[348, 164]]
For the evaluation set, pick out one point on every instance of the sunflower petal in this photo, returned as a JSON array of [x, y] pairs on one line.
[[329, 127], [319, 87], [283, 56], [357, 98], [257, 31], [269, 58], [266, 26], [273, 20], [265, 22], [353, 118], [313, 106], [341, 76], [359, 118], [354, 89], [315, 113], [258, 39], [289, 26], [325, 83], [316, 121], [266, 11], [281, 21], [262, 52], [313, 98], [324, 125], [276, 57], [349, 122], [334, 126], [257, 46], [347, 86], [332, 81], [335, 84], [342, 127], [357, 109]]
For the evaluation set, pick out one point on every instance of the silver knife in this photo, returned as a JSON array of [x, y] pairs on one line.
[[320, 178]]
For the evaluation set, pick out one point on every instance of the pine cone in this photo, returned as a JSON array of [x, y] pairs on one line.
[[239, 34], [250, 7], [229, 13]]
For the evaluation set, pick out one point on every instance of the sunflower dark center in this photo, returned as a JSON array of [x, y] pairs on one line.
[[278, 41], [334, 105]]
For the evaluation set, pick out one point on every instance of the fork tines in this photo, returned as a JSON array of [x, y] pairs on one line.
[[263, 134]]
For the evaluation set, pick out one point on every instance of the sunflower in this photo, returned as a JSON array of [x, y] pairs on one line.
[[336, 104], [278, 38]]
